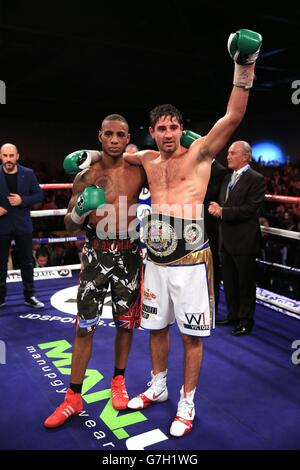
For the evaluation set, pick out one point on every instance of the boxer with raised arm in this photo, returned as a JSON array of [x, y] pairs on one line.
[[178, 276]]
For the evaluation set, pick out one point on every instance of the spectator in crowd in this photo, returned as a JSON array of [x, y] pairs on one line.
[[62, 197], [73, 253], [42, 258], [35, 247], [49, 201], [57, 254], [131, 148]]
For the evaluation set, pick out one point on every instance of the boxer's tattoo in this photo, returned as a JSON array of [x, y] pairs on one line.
[[106, 183]]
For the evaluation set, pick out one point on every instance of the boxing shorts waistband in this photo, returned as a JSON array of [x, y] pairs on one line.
[[170, 238], [108, 242]]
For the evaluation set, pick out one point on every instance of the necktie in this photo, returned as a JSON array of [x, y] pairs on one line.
[[231, 183]]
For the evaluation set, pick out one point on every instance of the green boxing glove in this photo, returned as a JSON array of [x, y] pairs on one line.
[[244, 46], [77, 161], [188, 137], [89, 200]]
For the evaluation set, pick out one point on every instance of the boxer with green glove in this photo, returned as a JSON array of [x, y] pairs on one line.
[[178, 180], [111, 257], [90, 199], [80, 160], [244, 46]]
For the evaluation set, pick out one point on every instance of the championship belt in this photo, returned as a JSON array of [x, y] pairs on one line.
[[169, 238]]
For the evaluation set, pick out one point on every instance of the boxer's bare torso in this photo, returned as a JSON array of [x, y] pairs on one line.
[[121, 183], [177, 183]]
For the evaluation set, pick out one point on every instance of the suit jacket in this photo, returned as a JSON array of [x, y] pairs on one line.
[[240, 230], [18, 220], [217, 175]]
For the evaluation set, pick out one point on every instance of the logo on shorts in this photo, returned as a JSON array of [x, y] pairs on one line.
[[194, 321], [192, 234], [160, 237], [149, 295], [147, 311]]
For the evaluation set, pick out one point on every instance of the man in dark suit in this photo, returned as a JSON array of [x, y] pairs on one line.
[[19, 189], [241, 196], [211, 223]]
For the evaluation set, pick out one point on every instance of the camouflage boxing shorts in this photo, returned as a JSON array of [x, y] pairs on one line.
[[110, 262]]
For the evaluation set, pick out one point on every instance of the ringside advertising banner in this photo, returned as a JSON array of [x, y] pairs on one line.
[[41, 275]]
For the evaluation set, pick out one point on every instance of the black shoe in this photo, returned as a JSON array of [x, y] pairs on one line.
[[2, 303], [227, 321], [241, 330], [34, 302]]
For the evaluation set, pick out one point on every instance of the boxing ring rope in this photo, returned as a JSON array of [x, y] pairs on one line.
[[61, 212], [71, 267], [268, 197], [271, 230], [48, 212], [282, 267], [46, 241], [56, 186], [280, 198], [277, 302], [280, 232]]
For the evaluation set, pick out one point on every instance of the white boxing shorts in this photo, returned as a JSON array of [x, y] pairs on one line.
[[181, 291]]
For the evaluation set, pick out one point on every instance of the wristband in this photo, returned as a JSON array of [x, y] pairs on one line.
[[77, 219], [243, 76]]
